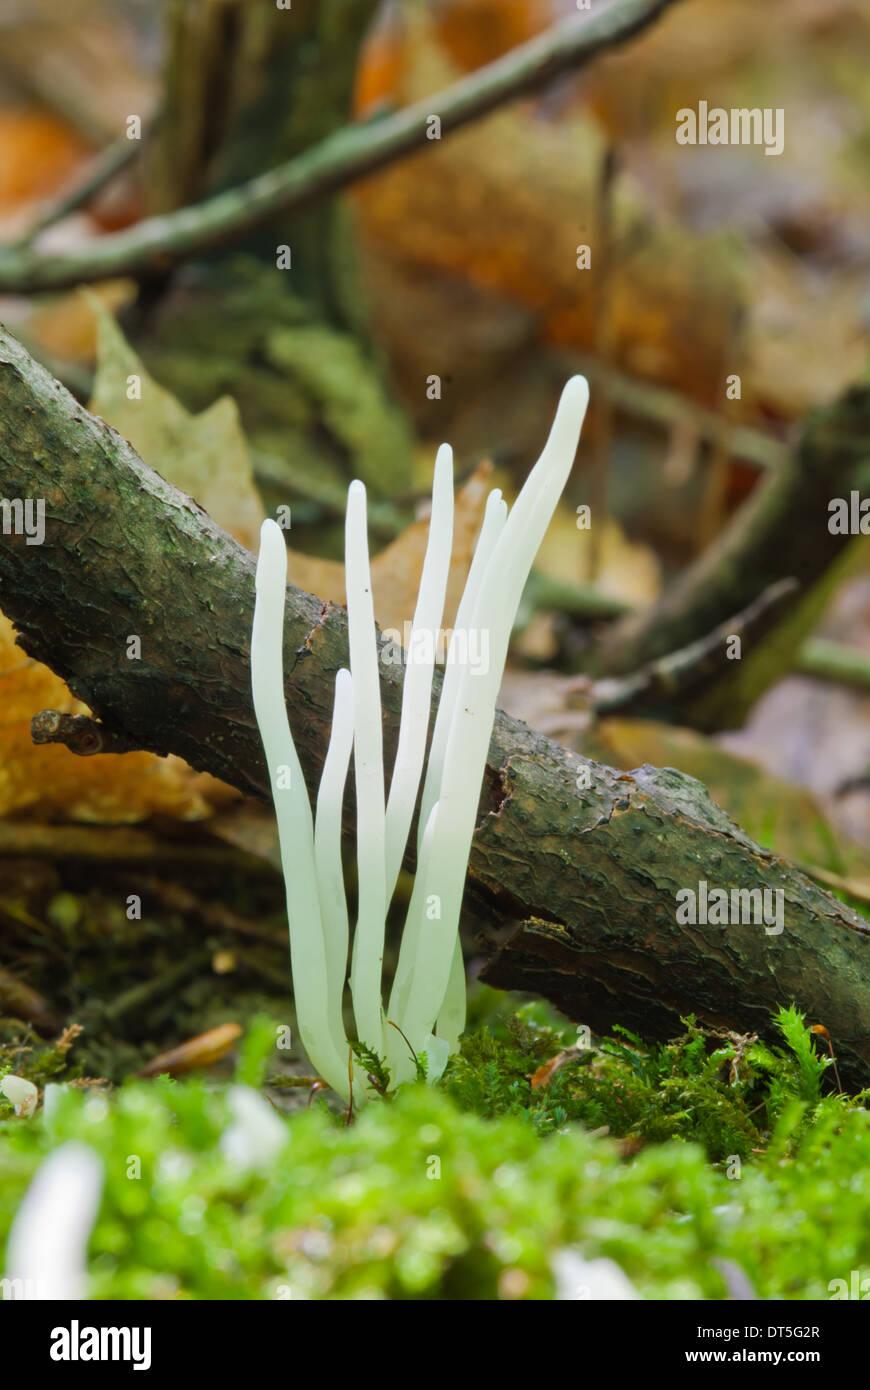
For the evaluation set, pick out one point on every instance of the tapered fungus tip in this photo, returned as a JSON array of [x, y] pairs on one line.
[[496, 508], [444, 459], [575, 395], [565, 430], [356, 490], [272, 556]]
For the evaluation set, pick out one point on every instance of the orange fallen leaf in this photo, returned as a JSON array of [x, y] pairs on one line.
[[39, 153], [544, 1074], [202, 1051], [48, 781]]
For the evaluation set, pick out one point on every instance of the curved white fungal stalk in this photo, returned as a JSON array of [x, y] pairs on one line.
[[255, 1136], [452, 1014], [494, 518], [441, 874], [427, 1002], [410, 947], [318, 1013], [20, 1093], [46, 1255], [368, 766], [327, 836], [420, 668]]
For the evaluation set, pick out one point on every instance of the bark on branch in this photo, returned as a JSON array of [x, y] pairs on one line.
[[578, 882], [334, 163]]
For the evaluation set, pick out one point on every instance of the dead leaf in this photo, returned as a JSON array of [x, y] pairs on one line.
[[204, 455], [544, 1074], [39, 153], [67, 326], [627, 570], [535, 181], [202, 1051], [48, 781]]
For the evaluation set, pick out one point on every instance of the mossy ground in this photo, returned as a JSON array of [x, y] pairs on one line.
[[682, 1162]]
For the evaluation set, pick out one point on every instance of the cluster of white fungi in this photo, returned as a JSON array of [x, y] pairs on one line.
[[425, 1013]]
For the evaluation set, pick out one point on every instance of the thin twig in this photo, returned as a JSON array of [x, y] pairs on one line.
[[78, 732], [834, 661], [713, 507], [341, 159], [117, 845], [661, 405], [667, 679]]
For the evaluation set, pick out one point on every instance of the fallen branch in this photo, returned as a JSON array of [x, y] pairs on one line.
[[667, 681], [574, 866], [336, 162]]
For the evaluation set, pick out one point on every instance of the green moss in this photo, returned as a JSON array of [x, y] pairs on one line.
[[24, 1053], [722, 1091], [422, 1198]]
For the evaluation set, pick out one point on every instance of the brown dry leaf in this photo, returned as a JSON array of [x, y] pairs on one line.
[[554, 704], [39, 153], [48, 781], [85, 61], [698, 232], [809, 340], [202, 1051], [396, 570], [505, 204], [67, 326], [545, 1073], [204, 455]]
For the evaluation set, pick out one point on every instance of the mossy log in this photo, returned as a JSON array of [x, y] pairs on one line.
[[577, 882]]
